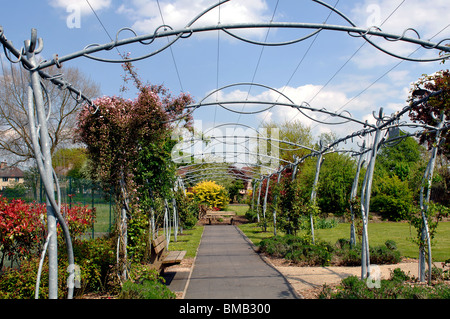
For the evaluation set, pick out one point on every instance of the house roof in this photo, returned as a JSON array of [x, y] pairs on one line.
[[11, 171]]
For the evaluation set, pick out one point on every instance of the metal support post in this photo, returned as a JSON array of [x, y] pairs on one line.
[[46, 171], [314, 189], [353, 195], [426, 182], [258, 204], [265, 203], [274, 212], [365, 199]]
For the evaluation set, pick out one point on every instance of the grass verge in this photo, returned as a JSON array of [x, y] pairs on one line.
[[189, 241]]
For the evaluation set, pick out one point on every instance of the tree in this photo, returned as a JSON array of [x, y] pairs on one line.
[[128, 144], [397, 178], [430, 111], [291, 132], [335, 183], [14, 133]]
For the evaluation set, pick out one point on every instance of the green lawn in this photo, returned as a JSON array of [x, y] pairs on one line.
[[104, 217], [189, 241], [400, 232]]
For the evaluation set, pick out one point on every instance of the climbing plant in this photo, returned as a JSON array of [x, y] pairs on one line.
[[128, 143]]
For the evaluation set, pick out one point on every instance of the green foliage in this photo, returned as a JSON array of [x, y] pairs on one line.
[[335, 183], [298, 249], [187, 209], [234, 188], [147, 285], [394, 288], [301, 250], [392, 198], [137, 244], [434, 214], [94, 257]]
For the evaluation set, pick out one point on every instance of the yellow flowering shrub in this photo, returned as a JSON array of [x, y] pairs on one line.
[[211, 194]]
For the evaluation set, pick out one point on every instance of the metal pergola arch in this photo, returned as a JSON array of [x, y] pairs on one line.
[[27, 57]]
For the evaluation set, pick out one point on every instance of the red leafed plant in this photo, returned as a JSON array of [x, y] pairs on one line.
[[23, 226]]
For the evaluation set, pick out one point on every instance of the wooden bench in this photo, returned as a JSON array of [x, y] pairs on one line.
[[162, 258], [214, 215]]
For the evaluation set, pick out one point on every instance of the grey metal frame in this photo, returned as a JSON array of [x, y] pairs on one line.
[[26, 56]]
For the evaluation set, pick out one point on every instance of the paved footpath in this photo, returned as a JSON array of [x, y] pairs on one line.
[[227, 267]]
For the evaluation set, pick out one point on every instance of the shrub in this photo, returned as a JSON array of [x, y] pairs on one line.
[[96, 259], [351, 256], [250, 215], [211, 194], [392, 198], [384, 255], [147, 285], [301, 250], [395, 288], [187, 209], [22, 226], [298, 249]]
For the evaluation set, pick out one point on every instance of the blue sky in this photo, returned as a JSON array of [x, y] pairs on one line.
[[329, 71]]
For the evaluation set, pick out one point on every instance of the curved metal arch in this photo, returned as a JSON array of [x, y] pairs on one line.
[[180, 32], [208, 172], [188, 30], [258, 136], [236, 153], [298, 107]]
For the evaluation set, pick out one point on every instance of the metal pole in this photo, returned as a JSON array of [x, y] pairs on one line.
[[365, 200], [265, 203], [259, 200], [426, 181], [175, 219], [314, 190], [353, 196], [47, 174], [253, 196], [274, 205]]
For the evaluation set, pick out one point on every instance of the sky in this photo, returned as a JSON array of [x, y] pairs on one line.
[[332, 70]]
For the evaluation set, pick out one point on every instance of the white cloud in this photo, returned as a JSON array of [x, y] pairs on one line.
[[146, 16], [82, 5], [426, 18]]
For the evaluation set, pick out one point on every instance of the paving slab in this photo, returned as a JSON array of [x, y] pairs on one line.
[[227, 267]]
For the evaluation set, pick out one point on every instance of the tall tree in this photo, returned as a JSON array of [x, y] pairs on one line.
[[15, 138], [291, 132], [129, 143]]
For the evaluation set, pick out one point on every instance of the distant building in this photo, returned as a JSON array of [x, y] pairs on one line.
[[10, 176]]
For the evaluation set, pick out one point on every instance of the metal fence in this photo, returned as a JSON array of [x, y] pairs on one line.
[[73, 191]]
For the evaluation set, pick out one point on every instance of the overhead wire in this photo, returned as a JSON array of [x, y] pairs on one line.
[[302, 59], [384, 74], [171, 51], [347, 61], [352, 56], [259, 58]]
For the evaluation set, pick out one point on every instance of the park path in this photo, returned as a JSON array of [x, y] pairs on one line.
[[227, 267]]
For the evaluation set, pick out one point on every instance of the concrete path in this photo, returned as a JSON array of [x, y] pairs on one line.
[[227, 267]]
